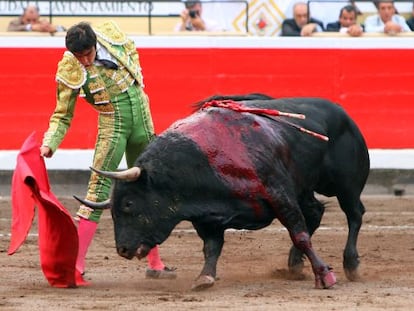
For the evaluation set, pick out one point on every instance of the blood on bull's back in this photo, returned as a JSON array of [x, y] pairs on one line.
[[234, 144]]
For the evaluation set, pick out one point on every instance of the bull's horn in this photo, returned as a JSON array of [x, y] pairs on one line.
[[95, 205], [130, 174]]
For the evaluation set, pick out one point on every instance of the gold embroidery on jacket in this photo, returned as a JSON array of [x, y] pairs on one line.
[[110, 32], [121, 47], [97, 87], [70, 71]]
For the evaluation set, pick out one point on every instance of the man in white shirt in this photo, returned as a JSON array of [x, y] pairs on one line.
[[386, 20]]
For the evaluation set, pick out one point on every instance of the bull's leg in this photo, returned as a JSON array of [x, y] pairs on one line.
[[313, 211], [292, 218], [324, 277], [354, 210], [213, 244], [346, 172]]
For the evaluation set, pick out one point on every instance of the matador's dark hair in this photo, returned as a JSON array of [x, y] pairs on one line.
[[80, 37]]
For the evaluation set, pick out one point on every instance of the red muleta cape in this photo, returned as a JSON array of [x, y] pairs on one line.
[[58, 237]]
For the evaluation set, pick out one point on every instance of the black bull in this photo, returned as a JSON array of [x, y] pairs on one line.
[[221, 169]]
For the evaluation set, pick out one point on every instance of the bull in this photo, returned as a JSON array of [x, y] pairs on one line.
[[242, 168]]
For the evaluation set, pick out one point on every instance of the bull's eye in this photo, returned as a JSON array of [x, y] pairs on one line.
[[128, 206]]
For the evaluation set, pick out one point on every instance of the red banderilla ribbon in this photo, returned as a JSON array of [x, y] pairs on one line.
[[231, 104]]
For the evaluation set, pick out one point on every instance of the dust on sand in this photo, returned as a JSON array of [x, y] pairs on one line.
[[251, 269]]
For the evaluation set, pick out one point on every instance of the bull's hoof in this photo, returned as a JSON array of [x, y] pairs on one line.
[[326, 281], [203, 282], [166, 273], [352, 275]]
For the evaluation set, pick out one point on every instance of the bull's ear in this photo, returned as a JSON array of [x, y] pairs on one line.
[[94, 205], [130, 174]]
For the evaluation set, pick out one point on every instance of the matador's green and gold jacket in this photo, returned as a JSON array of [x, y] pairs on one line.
[[74, 80]]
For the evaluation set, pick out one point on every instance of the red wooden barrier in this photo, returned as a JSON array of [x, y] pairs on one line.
[[371, 79]]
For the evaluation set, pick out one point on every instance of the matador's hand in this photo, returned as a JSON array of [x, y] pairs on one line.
[[45, 151]]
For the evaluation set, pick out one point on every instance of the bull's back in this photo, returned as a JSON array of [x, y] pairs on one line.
[[345, 155], [253, 145], [317, 111], [321, 116], [233, 142], [345, 162]]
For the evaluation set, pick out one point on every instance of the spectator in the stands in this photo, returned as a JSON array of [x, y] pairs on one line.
[[410, 20], [386, 21], [347, 22], [301, 24], [30, 21], [192, 18]]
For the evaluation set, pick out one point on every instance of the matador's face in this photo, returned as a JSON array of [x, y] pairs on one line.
[[86, 57]]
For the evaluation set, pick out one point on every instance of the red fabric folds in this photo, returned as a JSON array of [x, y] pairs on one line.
[[58, 237]]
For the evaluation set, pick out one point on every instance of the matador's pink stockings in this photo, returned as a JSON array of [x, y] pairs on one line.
[[154, 260]]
